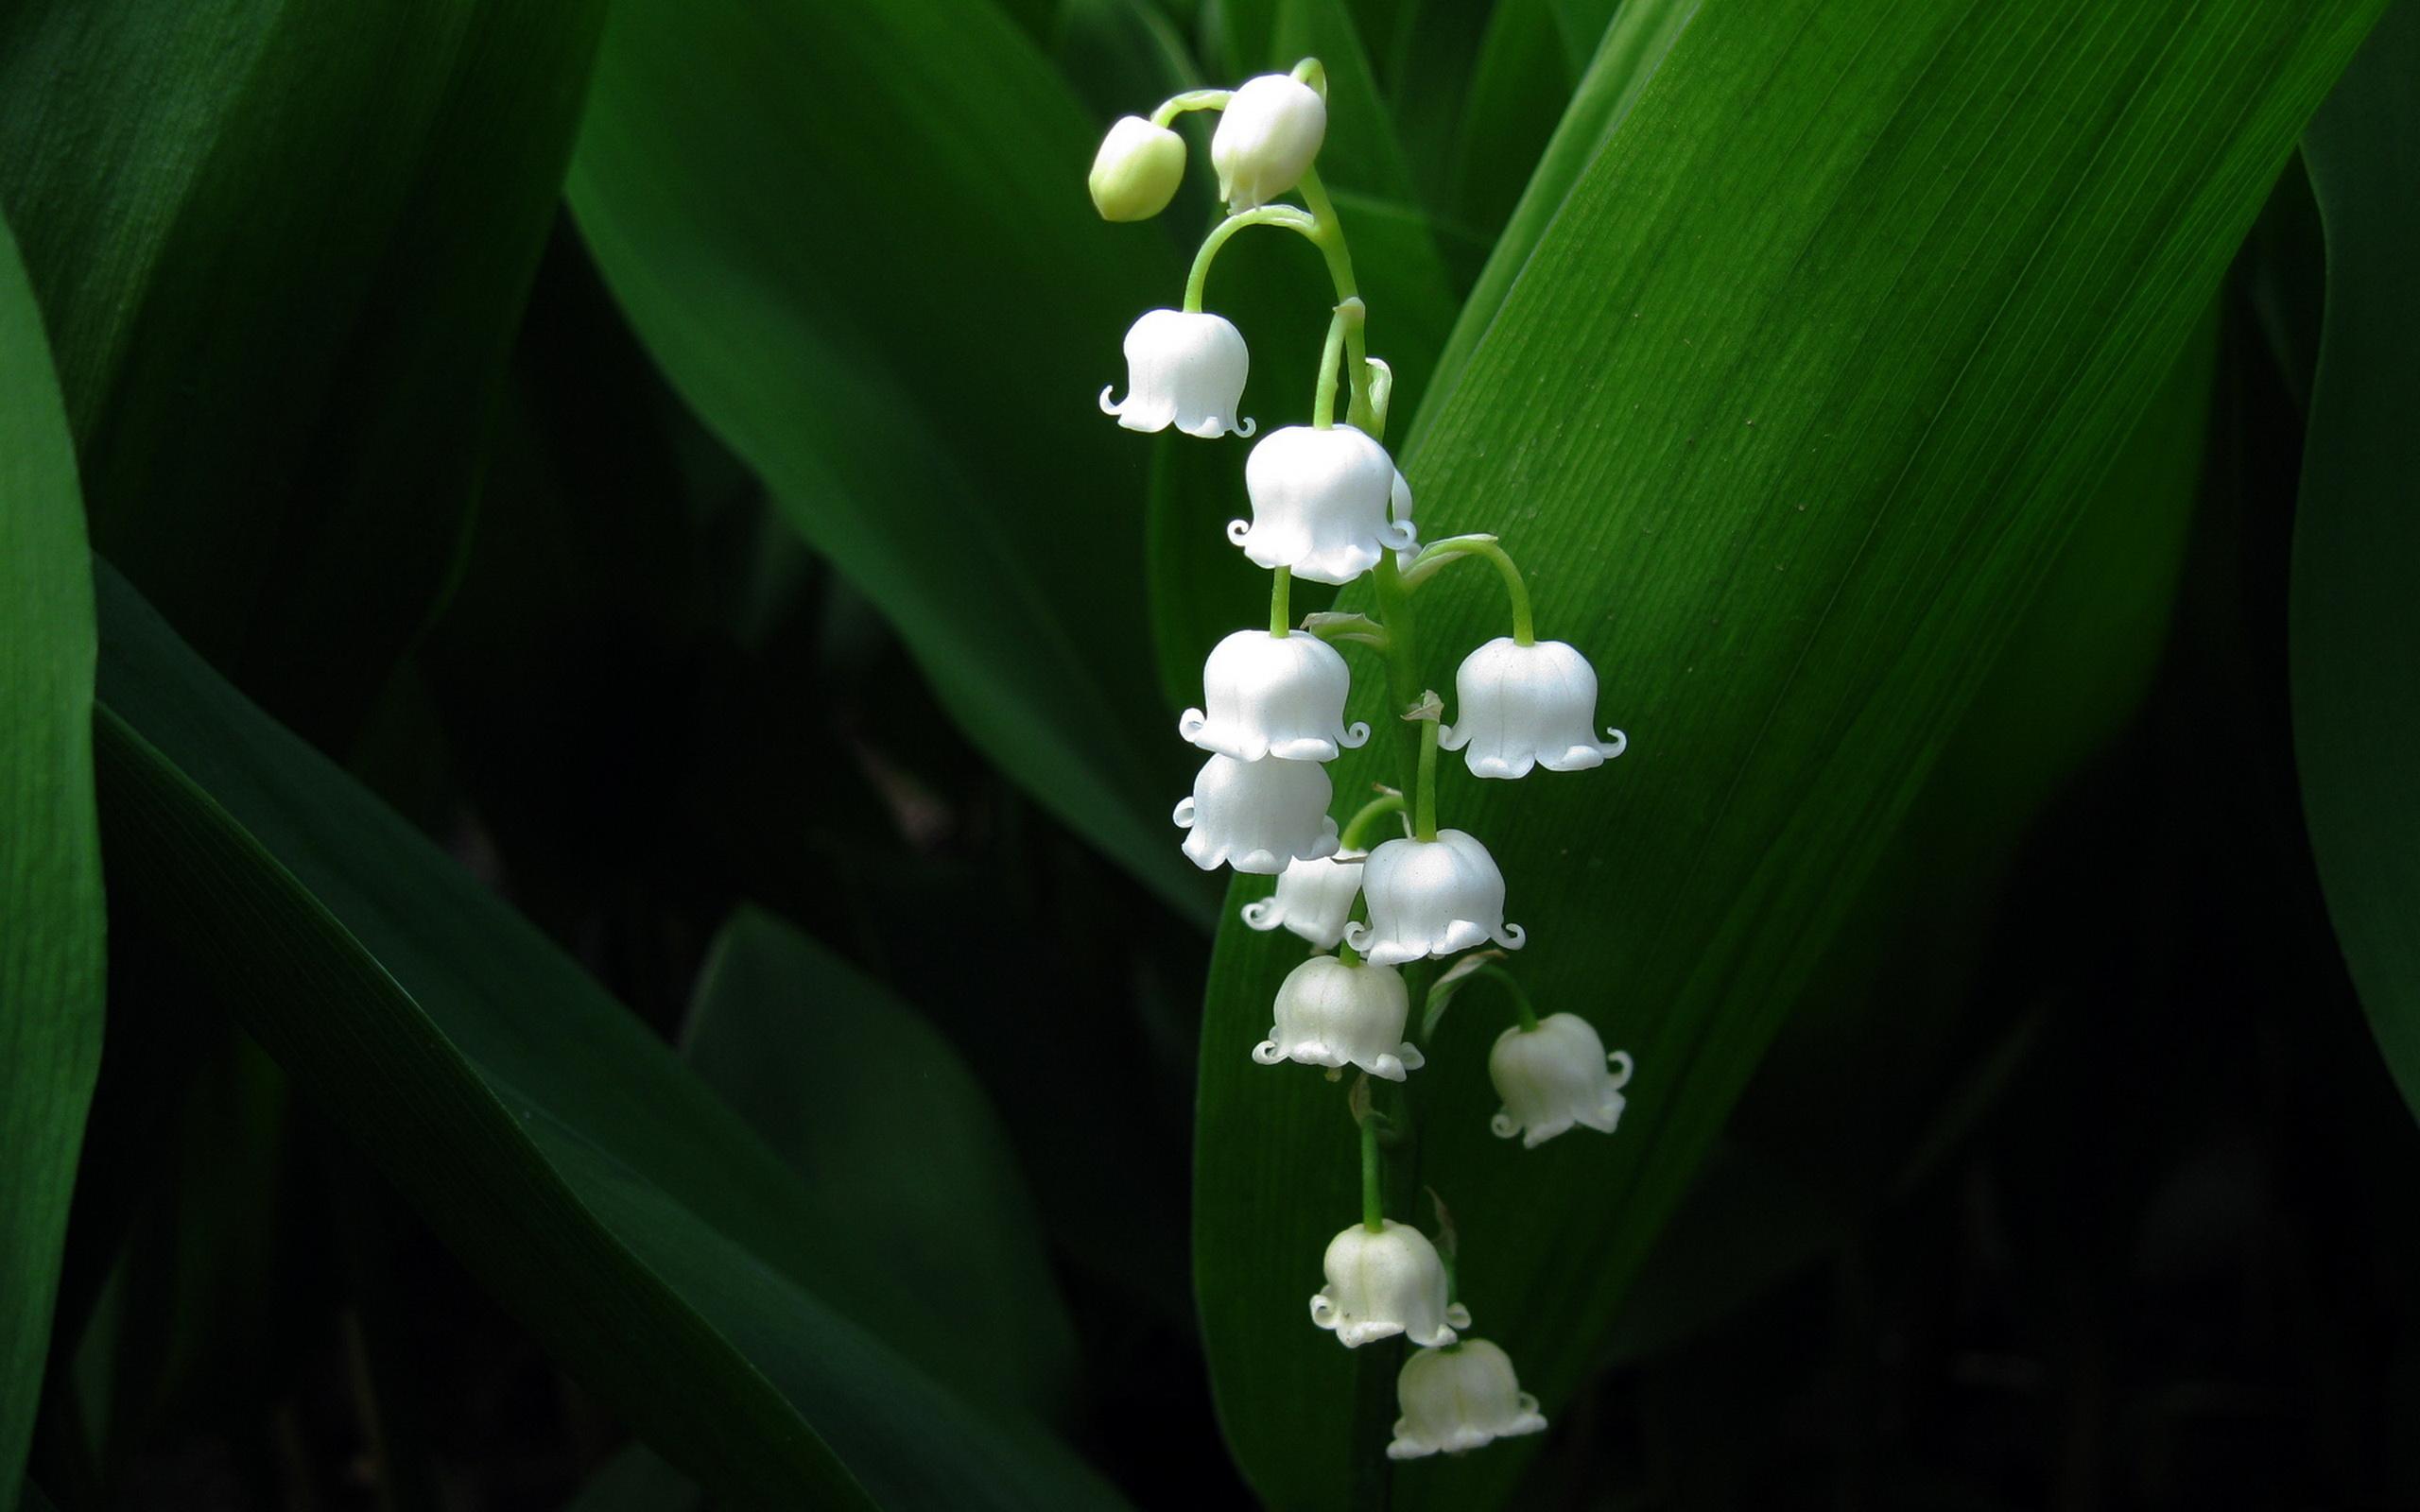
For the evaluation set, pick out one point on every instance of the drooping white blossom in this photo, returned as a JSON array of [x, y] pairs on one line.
[[1136, 171], [1321, 503], [1314, 898], [1458, 1398], [1383, 1283], [1553, 1076], [1273, 696], [1432, 898], [1525, 706], [1339, 1013], [1256, 816], [1268, 134], [1187, 368]]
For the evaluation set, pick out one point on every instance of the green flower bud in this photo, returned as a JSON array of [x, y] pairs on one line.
[[1136, 171]]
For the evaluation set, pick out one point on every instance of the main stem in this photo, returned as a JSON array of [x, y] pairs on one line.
[[1280, 615], [1402, 671]]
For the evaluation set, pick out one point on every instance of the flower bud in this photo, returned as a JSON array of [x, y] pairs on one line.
[[1334, 1013], [1432, 898], [1321, 504], [1183, 367], [1553, 1076], [1256, 816], [1314, 898], [1458, 1397], [1136, 170], [1273, 696], [1525, 706], [1384, 1283], [1268, 134]]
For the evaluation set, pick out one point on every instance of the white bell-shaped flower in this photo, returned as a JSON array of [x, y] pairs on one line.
[[1458, 1397], [1187, 368], [1136, 170], [1383, 1283], [1432, 898], [1338, 1013], [1268, 134], [1314, 898], [1525, 706], [1553, 1076], [1256, 816], [1273, 696], [1319, 504]]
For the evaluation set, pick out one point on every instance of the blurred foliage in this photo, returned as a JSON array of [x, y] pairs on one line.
[[645, 965]]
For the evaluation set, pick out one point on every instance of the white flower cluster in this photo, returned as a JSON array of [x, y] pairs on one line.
[[1328, 505]]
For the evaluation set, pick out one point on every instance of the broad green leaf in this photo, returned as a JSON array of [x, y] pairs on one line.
[[50, 862], [857, 240], [1789, 413], [1516, 102], [891, 1132], [283, 245], [2355, 642], [627, 1217], [1889, 1012], [1634, 45]]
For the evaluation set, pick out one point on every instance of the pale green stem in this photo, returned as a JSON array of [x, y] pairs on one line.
[[1328, 236], [1516, 588], [1425, 813], [1403, 664], [1323, 405], [1280, 617], [1192, 99], [1197, 281], [1357, 828], [1521, 1005]]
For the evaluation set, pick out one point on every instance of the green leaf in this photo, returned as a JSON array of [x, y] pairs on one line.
[[51, 920], [626, 1216], [1634, 45], [1892, 1007], [2354, 644], [894, 1138], [1788, 412], [857, 240], [283, 245]]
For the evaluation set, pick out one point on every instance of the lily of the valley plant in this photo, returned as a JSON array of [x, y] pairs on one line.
[[1329, 506]]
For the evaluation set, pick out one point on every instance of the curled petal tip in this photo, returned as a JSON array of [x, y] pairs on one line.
[[1237, 529], [1360, 936], [1262, 914], [1246, 427], [1449, 740], [1267, 1052], [1357, 734], [1399, 535], [1617, 744], [1410, 1054], [1191, 723], [1387, 1068], [1502, 1125], [1183, 815], [1106, 407], [1513, 937], [1323, 1309], [1623, 1066], [1458, 1315]]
